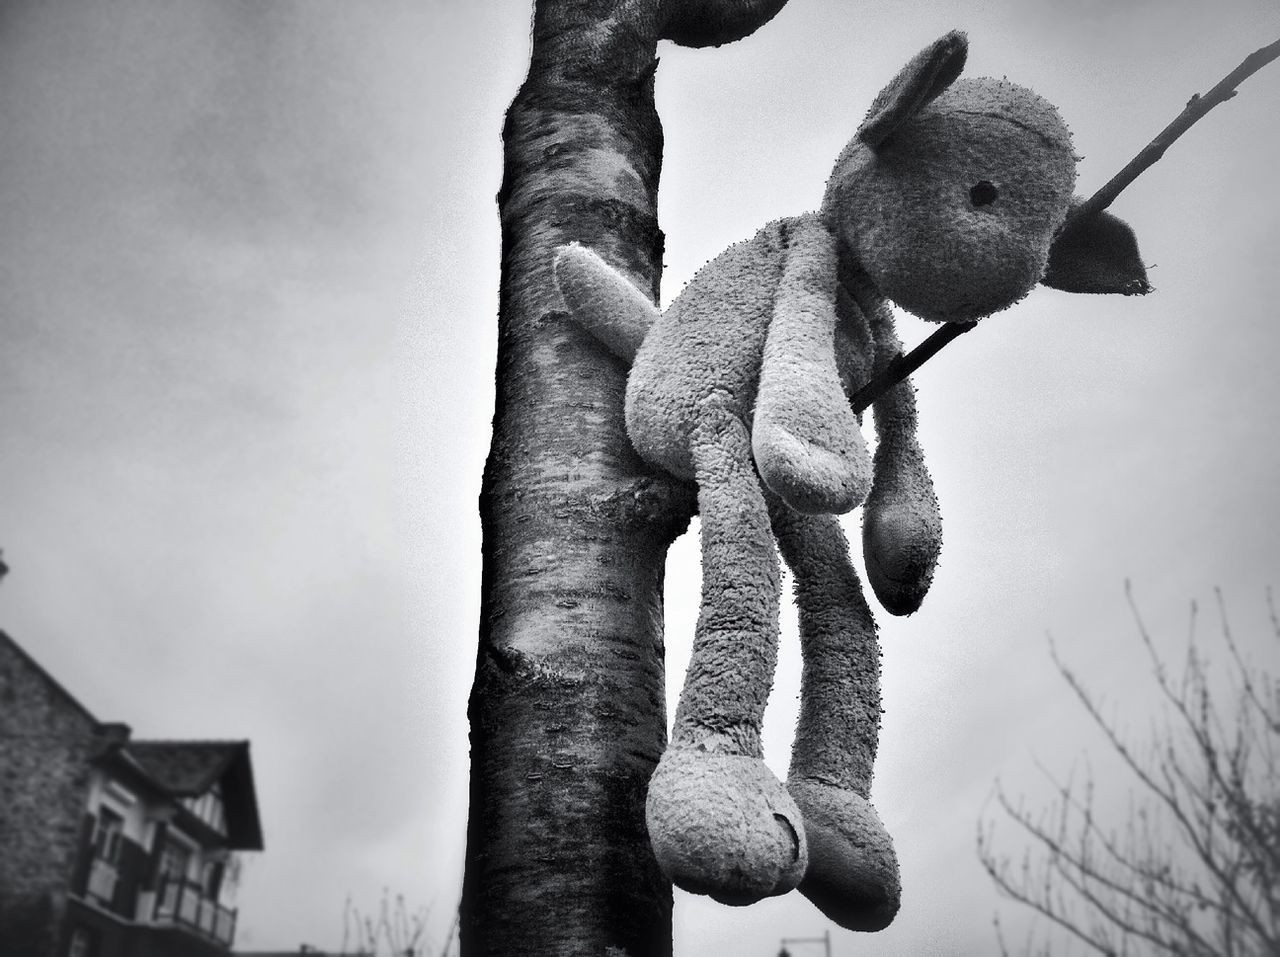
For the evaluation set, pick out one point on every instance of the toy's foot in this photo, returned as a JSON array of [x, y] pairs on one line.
[[723, 825], [853, 871]]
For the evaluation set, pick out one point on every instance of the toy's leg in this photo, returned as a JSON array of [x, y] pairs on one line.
[[720, 823], [853, 871]]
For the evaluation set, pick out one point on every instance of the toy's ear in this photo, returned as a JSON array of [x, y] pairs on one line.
[[1096, 252], [928, 73]]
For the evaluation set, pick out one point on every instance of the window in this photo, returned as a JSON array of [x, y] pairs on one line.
[[108, 835], [217, 813], [211, 879], [81, 944], [120, 793], [208, 807], [174, 861]]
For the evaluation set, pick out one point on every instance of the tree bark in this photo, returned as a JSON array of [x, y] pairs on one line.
[[568, 717], [567, 710]]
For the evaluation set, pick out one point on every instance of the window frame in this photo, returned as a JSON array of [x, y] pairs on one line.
[[81, 942], [108, 835]]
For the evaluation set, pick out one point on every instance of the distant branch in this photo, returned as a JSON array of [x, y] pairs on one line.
[[1197, 870]]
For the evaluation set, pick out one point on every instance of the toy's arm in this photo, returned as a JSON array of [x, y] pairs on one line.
[[603, 301], [806, 440], [901, 523]]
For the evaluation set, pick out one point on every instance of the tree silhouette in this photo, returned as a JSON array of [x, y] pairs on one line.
[[1196, 868]]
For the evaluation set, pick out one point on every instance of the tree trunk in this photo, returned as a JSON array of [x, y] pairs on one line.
[[567, 711]]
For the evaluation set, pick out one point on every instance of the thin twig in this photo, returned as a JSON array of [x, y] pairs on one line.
[[1067, 865], [1166, 796], [1225, 903], [1196, 107], [453, 931]]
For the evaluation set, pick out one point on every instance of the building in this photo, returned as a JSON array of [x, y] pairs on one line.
[[111, 846]]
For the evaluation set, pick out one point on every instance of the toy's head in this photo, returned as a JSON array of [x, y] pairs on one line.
[[953, 192]]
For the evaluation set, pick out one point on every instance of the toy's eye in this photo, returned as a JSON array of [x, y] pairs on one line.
[[983, 193]]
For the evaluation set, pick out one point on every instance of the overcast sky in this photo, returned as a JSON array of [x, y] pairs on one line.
[[248, 295]]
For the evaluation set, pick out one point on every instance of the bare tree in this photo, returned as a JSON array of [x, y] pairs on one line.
[[394, 932], [1196, 868]]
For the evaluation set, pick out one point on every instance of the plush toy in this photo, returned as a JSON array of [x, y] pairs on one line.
[[948, 201]]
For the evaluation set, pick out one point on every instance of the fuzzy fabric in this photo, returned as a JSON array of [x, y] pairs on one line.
[[708, 343], [1096, 253], [853, 871], [926, 75], [953, 215], [621, 313], [719, 821], [948, 201], [807, 442], [901, 522]]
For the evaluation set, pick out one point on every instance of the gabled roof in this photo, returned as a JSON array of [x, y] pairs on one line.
[[183, 768], [187, 769], [175, 769]]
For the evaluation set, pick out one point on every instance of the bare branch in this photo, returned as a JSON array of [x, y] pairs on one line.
[[1197, 871], [1196, 108], [1078, 872]]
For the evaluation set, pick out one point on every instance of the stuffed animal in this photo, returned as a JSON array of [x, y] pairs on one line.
[[948, 202]]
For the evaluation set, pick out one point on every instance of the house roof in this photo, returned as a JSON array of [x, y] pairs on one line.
[[175, 769], [184, 769]]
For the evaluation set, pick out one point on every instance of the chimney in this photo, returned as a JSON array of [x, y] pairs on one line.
[[113, 732]]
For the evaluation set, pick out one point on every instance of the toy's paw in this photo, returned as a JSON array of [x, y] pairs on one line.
[[901, 552], [853, 871], [811, 479], [723, 825], [901, 533]]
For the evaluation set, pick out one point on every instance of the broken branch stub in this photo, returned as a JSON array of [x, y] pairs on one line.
[[704, 23]]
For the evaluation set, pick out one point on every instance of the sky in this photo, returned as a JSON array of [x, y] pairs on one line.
[[248, 296]]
